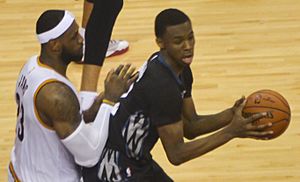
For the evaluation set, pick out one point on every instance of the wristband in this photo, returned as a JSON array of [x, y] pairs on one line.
[[108, 102]]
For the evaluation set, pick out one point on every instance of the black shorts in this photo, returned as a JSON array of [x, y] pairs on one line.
[[157, 174], [153, 173]]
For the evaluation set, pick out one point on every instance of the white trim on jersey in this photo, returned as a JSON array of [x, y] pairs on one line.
[[38, 154]]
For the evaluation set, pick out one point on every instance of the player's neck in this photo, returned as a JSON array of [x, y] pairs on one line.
[[54, 62], [177, 68]]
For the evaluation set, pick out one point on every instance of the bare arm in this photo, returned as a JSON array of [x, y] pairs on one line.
[[179, 151], [196, 125], [58, 106], [89, 115]]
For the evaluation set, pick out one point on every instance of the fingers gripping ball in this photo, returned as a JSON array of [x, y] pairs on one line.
[[278, 109]]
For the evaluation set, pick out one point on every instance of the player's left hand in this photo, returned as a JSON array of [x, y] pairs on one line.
[[118, 81]]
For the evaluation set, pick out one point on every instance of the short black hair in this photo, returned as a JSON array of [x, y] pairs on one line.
[[48, 20], [168, 17]]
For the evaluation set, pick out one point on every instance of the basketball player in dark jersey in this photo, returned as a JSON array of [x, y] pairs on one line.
[[154, 108]]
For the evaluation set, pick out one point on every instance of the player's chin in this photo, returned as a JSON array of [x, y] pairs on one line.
[[77, 58]]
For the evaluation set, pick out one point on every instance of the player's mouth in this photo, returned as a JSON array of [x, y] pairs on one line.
[[187, 59]]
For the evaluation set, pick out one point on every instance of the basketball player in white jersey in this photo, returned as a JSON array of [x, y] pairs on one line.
[[52, 133]]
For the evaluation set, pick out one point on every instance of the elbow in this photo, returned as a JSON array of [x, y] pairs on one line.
[[175, 162], [188, 129], [175, 159], [88, 162], [189, 136]]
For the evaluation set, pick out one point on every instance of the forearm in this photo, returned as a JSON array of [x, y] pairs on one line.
[[90, 114], [90, 103], [199, 125], [186, 151]]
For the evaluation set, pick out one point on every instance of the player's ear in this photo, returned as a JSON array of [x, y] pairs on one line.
[[160, 43], [55, 45]]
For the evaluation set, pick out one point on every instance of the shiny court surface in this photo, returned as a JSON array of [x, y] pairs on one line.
[[241, 46]]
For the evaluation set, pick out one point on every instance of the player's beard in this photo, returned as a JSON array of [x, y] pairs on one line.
[[69, 57]]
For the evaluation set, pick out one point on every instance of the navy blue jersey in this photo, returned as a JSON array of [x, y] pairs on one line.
[[154, 100]]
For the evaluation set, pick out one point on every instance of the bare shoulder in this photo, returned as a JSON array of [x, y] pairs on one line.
[[57, 101]]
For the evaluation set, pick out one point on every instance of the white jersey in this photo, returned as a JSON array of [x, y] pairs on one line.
[[38, 154]]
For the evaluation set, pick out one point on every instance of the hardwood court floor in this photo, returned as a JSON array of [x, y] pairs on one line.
[[242, 46]]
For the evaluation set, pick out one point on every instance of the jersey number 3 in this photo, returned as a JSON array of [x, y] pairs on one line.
[[20, 116]]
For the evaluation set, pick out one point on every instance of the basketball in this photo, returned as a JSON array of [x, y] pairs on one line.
[[279, 113]]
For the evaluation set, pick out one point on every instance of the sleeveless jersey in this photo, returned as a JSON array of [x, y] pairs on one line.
[[154, 100], [38, 154]]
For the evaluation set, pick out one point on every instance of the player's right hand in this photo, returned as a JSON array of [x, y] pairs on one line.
[[118, 81], [242, 127]]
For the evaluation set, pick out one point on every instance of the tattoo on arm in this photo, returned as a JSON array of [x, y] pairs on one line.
[[60, 106]]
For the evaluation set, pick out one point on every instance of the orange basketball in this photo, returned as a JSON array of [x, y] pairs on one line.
[[278, 109]]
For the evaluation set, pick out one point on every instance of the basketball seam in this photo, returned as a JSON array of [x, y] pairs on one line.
[[283, 101], [267, 107], [276, 122]]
